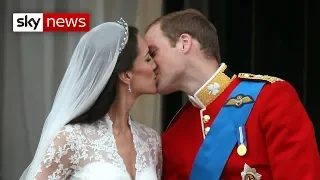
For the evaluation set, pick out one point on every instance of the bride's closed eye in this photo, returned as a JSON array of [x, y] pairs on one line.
[[149, 58]]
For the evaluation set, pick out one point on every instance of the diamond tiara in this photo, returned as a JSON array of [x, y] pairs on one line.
[[126, 33]]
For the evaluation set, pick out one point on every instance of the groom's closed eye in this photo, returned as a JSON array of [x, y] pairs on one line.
[[152, 53]]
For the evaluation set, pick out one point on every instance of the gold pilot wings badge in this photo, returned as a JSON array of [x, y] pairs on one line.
[[270, 79], [239, 100], [250, 173]]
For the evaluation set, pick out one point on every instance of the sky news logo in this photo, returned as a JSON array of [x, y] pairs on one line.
[[51, 22]]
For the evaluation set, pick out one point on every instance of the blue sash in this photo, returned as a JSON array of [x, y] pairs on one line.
[[222, 137]]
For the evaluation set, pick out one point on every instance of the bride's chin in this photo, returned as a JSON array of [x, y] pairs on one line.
[[151, 91], [154, 91]]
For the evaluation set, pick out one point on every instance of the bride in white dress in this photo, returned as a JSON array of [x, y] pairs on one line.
[[88, 134]]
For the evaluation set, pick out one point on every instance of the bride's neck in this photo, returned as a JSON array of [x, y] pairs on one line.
[[119, 110]]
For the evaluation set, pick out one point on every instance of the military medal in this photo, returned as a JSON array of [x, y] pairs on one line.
[[242, 150], [242, 143]]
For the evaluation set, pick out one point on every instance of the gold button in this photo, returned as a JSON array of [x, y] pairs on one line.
[[206, 118], [206, 130]]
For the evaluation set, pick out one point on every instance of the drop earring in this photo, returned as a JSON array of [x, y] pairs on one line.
[[129, 87]]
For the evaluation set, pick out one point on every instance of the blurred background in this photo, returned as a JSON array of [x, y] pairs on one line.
[[274, 37]]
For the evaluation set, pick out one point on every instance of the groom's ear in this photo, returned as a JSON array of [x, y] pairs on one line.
[[185, 42], [125, 77]]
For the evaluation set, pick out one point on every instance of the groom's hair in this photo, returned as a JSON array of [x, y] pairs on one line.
[[106, 98], [192, 22]]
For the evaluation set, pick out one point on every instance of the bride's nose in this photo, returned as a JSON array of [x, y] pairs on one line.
[[154, 66]]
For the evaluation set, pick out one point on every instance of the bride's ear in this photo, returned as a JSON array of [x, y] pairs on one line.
[[125, 77]]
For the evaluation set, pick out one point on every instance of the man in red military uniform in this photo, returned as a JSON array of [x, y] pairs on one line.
[[241, 126]]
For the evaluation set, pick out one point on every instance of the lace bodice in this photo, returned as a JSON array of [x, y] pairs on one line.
[[89, 152]]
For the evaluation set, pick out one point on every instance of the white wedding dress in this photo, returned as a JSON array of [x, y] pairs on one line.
[[89, 152]]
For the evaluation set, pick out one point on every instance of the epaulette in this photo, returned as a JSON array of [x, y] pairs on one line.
[[175, 117], [270, 79]]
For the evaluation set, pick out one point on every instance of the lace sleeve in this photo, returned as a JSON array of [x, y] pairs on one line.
[[159, 158], [60, 159]]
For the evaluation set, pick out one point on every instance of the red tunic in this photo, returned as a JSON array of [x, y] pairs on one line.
[[280, 138]]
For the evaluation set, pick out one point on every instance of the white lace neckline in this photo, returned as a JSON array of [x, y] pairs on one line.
[[134, 136], [89, 152]]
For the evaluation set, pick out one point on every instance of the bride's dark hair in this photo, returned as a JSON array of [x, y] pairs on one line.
[[107, 96]]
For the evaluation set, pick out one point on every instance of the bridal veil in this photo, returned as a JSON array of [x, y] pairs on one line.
[[89, 70]]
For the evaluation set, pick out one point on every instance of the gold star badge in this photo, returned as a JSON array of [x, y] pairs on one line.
[[249, 173]]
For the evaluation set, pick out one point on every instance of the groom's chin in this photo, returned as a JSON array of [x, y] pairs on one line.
[[163, 91], [159, 91]]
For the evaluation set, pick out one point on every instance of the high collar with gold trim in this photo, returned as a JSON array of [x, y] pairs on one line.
[[213, 87]]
